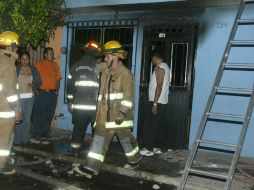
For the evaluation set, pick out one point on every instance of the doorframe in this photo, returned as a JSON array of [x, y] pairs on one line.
[[192, 70]]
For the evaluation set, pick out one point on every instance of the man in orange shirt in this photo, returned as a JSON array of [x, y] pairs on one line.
[[46, 98]]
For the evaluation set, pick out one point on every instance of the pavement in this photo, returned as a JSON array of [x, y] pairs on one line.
[[162, 169]]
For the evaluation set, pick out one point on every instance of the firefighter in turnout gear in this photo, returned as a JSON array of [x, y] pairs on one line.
[[82, 93], [9, 103], [115, 110]]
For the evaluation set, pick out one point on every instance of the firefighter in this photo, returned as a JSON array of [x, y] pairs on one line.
[[82, 93], [9, 103], [115, 111]]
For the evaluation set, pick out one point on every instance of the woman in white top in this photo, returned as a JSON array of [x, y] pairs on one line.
[[28, 82]]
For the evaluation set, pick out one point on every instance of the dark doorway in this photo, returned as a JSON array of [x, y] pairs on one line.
[[177, 45]]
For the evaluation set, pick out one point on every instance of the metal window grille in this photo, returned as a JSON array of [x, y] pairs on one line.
[[179, 64], [102, 34], [101, 31]]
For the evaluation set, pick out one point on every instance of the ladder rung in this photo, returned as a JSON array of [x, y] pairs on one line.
[[234, 90], [239, 65], [242, 42], [248, 1], [208, 174], [217, 143], [225, 115], [245, 21]]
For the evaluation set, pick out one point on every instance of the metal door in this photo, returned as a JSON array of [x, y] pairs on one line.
[[176, 44]]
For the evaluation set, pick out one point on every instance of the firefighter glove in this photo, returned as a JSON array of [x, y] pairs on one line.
[[119, 119], [70, 107]]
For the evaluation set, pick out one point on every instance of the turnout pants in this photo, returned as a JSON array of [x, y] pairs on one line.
[[7, 127], [101, 142], [80, 120]]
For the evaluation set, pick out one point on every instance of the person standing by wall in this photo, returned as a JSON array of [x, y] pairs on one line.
[[158, 98], [9, 103], [29, 82], [46, 98], [82, 93], [115, 111]]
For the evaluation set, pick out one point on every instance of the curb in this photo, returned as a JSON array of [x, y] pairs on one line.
[[111, 168], [59, 184]]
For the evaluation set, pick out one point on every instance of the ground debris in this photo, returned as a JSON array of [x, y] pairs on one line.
[[48, 162], [212, 165], [156, 186]]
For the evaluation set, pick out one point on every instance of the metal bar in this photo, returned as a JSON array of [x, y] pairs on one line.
[[245, 21], [208, 174], [217, 143], [241, 65], [248, 1], [95, 23], [171, 63], [242, 42], [225, 115], [186, 63], [234, 90], [66, 65], [240, 142]]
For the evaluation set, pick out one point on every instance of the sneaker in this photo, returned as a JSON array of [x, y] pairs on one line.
[[11, 160], [7, 171], [145, 152], [83, 172], [157, 151]]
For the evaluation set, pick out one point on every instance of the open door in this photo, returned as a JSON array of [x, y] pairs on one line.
[[177, 45]]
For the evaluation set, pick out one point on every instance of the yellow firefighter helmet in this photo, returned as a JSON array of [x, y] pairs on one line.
[[115, 48], [9, 38]]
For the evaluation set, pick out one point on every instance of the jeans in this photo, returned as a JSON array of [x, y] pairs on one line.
[[44, 110], [23, 128]]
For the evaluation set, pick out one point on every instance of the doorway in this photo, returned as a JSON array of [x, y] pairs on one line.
[[177, 45]]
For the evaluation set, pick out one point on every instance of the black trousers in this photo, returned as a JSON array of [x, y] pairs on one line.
[[81, 120], [154, 126]]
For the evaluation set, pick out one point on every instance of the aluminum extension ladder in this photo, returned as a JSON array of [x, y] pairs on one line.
[[228, 177]]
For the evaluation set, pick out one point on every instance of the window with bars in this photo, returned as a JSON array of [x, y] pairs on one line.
[[179, 64], [102, 34], [177, 61]]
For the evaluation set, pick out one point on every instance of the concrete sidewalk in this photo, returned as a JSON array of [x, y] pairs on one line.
[[166, 168]]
